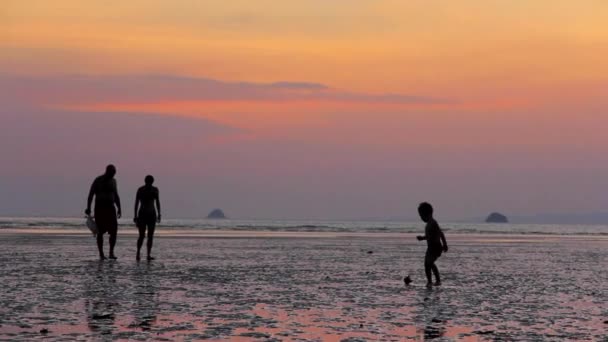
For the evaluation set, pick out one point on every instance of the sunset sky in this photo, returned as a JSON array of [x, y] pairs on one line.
[[341, 109]]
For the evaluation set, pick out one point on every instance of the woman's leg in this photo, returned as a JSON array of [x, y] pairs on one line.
[[151, 228], [141, 226]]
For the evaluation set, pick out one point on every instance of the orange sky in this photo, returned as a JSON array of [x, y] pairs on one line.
[[374, 46], [391, 74]]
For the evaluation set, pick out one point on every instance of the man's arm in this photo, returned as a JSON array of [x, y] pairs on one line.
[[158, 204], [117, 200], [136, 207], [443, 241], [90, 198]]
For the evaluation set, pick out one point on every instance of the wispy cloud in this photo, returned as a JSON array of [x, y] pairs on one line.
[[81, 89]]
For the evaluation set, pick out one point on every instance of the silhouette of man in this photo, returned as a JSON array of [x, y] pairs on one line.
[[435, 240], [105, 191], [146, 217]]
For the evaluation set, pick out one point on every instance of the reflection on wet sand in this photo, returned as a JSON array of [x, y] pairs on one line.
[[99, 300], [301, 289], [146, 306]]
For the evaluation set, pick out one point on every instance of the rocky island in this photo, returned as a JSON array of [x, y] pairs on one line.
[[216, 214], [496, 218]]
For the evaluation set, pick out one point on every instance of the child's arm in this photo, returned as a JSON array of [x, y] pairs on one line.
[[426, 234], [443, 241]]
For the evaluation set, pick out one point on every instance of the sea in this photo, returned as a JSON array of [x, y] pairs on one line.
[[329, 226]]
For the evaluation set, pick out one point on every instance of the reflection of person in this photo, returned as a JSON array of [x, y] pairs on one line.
[[435, 240], [146, 301], [105, 191], [100, 301], [147, 216], [432, 332]]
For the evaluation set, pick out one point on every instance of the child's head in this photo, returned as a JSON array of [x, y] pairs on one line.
[[426, 211]]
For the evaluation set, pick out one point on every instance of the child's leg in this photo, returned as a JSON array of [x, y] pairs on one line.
[[428, 265], [436, 273]]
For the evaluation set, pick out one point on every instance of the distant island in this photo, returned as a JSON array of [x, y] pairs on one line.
[[216, 214], [497, 218]]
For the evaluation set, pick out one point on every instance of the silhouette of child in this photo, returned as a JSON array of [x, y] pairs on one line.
[[436, 243]]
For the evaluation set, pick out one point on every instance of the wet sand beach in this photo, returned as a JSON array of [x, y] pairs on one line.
[[256, 286]]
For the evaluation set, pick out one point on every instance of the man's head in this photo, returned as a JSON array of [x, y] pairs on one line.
[[425, 210], [110, 171], [149, 180]]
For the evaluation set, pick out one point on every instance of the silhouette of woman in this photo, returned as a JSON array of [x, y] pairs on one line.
[[146, 217]]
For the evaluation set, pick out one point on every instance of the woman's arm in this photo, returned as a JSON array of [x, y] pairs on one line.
[[158, 204]]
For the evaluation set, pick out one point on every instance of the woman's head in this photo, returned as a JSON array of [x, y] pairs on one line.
[[149, 180]]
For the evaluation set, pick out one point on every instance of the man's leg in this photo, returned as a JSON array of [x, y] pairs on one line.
[[112, 244], [100, 246]]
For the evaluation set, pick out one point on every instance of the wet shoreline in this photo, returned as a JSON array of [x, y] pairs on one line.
[[298, 287]]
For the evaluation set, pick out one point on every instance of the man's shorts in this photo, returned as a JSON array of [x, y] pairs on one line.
[[105, 218]]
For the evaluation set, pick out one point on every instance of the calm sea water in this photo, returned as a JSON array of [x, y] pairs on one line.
[[43, 223]]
